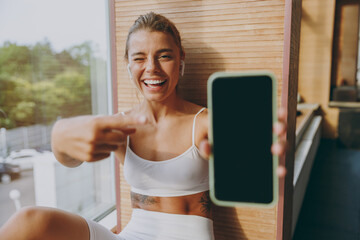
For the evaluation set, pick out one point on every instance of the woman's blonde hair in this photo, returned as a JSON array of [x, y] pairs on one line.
[[154, 22]]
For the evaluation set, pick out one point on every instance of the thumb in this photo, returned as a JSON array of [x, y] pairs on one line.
[[205, 149]]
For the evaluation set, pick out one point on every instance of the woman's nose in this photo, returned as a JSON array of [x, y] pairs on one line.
[[152, 66]]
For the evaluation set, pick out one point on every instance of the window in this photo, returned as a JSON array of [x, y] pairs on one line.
[[53, 64], [345, 82]]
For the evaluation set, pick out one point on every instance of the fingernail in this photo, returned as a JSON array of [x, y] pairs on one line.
[[281, 171], [281, 111], [278, 127], [276, 149]]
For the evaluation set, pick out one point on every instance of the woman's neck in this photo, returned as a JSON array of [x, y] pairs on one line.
[[156, 111]]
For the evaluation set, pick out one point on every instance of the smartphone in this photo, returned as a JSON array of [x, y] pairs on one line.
[[242, 111]]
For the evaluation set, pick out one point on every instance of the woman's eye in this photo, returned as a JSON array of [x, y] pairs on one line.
[[165, 57]]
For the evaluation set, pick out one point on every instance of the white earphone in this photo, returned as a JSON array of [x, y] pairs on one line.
[[129, 71], [182, 67]]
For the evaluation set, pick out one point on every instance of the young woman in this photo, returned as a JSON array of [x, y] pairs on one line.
[[162, 143]]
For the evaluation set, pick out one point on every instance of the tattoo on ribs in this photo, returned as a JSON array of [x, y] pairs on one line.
[[205, 203], [143, 199]]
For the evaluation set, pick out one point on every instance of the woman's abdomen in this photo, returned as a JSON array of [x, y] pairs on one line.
[[196, 204]]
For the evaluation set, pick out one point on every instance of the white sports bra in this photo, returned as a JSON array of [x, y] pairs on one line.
[[183, 175]]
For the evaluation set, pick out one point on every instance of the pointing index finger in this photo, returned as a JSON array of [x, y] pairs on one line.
[[120, 122]]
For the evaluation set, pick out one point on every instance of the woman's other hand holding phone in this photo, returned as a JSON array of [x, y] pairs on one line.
[[278, 148]]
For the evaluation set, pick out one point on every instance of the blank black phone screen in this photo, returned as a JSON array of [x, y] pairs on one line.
[[242, 137]]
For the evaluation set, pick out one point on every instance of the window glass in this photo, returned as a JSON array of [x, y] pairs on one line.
[[53, 64]]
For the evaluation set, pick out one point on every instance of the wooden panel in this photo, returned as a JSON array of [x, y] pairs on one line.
[[293, 10], [316, 38], [217, 36]]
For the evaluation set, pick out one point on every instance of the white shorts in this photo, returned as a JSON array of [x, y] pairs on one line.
[[99, 232], [151, 225]]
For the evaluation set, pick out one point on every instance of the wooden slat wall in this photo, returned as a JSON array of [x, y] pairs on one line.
[[218, 36], [316, 41]]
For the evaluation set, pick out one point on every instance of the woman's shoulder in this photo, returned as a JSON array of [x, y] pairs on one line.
[[201, 113], [202, 122], [194, 108]]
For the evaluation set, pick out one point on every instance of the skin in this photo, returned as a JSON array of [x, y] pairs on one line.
[[152, 126]]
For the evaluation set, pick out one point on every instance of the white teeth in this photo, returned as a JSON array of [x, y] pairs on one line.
[[154, 81]]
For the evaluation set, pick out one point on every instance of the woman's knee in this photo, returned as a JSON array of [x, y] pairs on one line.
[[27, 223], [35, 219], [47, 223], [28, 213]]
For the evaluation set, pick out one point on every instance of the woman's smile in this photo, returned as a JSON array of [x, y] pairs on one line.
[[154, 83]]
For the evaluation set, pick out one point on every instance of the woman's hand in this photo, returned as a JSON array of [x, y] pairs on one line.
[[90, 138], [277, 148]]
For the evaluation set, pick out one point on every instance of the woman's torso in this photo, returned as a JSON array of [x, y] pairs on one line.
[[163, 142]]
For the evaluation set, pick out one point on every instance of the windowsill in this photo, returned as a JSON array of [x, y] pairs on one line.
[[303, 121], [308, 134], [306, 148], [344, 104], [307, 128], [109, 221]]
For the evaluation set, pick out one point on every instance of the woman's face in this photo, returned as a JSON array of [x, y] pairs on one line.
[[154, 61]]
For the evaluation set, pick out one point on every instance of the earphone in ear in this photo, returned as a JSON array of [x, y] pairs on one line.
[[182, 67], [129, 71]]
